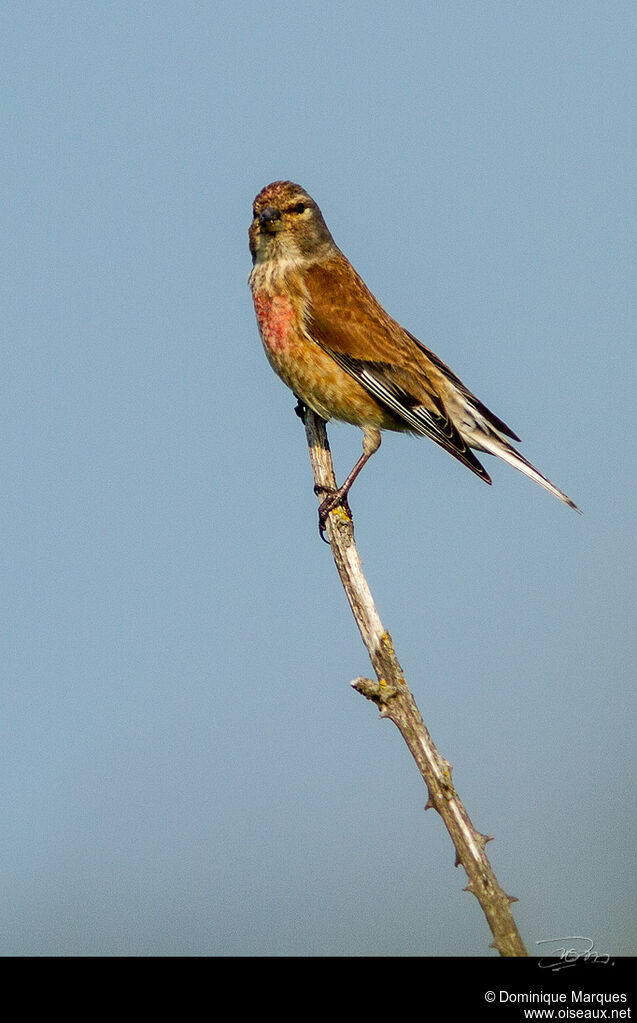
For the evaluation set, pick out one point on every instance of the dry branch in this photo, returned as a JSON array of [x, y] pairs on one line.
[[391, 693]]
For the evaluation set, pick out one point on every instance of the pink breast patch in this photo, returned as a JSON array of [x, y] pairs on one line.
[[275, 315]]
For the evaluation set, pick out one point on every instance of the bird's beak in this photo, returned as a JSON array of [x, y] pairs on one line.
[[270, 220]]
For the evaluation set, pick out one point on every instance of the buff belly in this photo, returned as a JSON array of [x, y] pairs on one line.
[[311, 373]]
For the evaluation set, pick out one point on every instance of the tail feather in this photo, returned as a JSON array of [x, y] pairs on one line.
[[501, 449]]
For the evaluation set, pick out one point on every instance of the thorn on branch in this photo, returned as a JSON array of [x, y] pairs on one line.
[[483, 839]]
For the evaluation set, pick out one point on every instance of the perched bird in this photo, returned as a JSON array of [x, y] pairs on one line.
[[343, 356]]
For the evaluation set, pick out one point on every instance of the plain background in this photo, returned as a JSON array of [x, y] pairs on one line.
[[185, 769]]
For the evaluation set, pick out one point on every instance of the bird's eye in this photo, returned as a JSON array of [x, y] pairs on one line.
[[299, 208]]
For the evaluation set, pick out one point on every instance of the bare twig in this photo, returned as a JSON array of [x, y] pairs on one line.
[[391, 694]]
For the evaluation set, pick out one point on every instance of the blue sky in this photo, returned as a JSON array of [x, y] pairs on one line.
[[185, 768]]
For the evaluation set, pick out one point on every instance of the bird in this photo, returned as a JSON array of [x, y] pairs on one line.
[[343, 356]]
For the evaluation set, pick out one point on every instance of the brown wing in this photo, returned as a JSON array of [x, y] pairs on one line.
[[474, 402], [349, 323]]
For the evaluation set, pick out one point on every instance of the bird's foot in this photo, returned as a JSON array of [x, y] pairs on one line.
[[333, 499]]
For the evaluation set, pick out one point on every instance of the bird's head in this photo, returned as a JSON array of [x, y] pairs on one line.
[[287, 224]]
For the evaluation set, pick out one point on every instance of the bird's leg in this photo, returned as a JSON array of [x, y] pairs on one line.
[[334, 498]]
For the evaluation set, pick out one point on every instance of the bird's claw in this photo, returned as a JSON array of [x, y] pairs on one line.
[[321, 526], [332, 500]]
